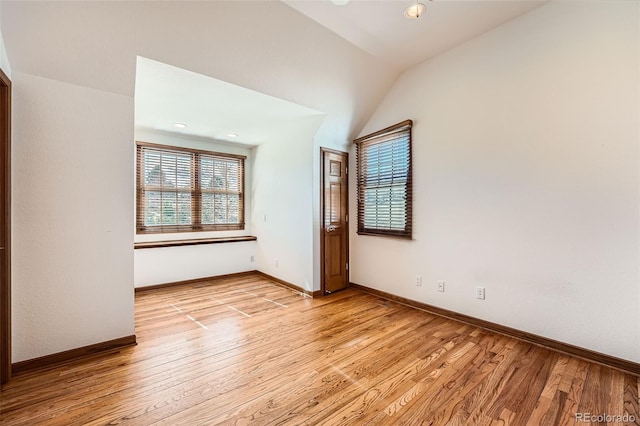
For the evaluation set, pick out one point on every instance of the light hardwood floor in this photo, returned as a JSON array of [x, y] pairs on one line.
[[245, 350]]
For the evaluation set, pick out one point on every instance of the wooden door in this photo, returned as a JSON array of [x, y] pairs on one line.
[[334, 228], [5, 228]]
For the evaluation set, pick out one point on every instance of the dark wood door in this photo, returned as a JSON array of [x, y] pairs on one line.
[[334, 229], [5, 228]]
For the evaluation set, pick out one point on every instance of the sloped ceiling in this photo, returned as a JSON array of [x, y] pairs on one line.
[[338, 60], [265, 46], [210, 108], [381, 29]]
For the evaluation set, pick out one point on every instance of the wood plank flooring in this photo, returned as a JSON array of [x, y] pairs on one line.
[[245, 350]]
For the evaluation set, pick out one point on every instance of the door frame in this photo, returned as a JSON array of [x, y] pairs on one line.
[[5, 279], [322, 230]]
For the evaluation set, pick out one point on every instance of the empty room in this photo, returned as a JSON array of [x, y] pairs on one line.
[[319, 212]]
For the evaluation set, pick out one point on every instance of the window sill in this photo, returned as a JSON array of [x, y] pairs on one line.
[[178, 243], [386, 234]]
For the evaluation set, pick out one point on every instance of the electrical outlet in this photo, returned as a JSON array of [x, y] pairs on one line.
[[419, 280], [441, 286], [276, 263], [480, 293], [253, 258]]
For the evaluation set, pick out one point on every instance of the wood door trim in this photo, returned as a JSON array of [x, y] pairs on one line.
[[5, 281], [322, 218]]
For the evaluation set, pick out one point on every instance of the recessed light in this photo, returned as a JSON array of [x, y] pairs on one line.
[[415, 11], [179, 125], [232, 135]]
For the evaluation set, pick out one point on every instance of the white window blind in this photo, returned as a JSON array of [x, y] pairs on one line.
[[384, 181], [180, 190]]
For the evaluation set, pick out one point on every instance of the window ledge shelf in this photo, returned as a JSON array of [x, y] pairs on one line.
[[178, 243]]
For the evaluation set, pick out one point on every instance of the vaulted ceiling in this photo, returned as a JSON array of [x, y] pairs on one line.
[[381, 29], [337, 60], [265, 46]]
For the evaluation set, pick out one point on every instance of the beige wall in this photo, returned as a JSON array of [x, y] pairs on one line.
[[4, 60]]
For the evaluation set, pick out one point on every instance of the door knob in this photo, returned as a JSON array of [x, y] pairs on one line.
[[331, 228]]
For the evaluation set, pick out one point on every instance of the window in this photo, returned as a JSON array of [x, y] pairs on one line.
[[384, 181], [186, 190]]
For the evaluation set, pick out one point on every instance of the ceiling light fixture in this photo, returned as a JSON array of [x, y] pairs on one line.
[[179, 125], [415, 11], [232, 135]]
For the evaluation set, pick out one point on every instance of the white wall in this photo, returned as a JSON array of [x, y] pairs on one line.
[[281, 212], [282, 204], [171, 264], [525, 177], [72, 221]]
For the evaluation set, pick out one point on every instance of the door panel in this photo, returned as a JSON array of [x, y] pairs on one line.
[[334, 240], [334, 207], [335, 262]]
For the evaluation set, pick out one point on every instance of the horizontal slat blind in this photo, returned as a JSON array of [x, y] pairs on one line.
[[181, 190], [167, 188], [221, 181], [384, 181]]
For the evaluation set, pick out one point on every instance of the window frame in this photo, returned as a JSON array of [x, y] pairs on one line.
[[195, 190], [385, 136]]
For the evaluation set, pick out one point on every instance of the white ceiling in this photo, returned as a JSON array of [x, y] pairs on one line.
[[380, 28], [272, 47], [211, 108]]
